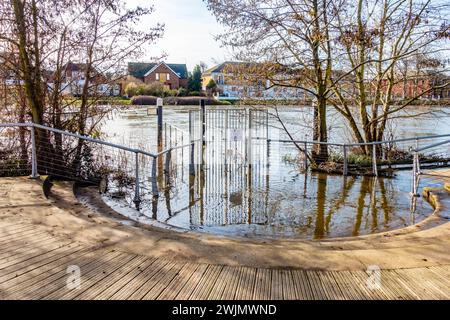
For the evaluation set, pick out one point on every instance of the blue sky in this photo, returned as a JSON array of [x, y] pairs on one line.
[[189, 32]]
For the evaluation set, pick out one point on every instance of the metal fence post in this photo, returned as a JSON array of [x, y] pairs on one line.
[[345, 169], [159, 106], [137, 196], [154, 178], [415, 175], [374, 160], [192, 158], [249, 139], [34, 171], [305, 153], [167, 163], [203, 118]]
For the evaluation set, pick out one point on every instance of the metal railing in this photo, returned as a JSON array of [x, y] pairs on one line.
[[373, 156], [134, 173], [416, 170], [48, 151]]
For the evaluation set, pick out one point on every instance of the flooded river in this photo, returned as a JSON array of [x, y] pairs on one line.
[[273, 198]]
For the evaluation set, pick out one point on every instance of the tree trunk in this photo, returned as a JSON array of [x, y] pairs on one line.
[[320, 151]]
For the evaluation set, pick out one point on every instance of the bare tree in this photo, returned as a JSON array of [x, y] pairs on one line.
[[291, 41], [379, 45]]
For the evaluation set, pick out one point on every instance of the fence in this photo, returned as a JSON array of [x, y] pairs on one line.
[[27, 148], [235, 137]]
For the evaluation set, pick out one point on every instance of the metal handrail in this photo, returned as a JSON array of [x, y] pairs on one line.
[[355, 144], [113, 145]]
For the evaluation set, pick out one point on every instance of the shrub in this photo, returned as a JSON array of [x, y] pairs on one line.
[[171, 93], [143, 100], [182, 92], [131, 89], [194, 93]]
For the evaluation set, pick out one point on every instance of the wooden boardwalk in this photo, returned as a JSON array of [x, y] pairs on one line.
[[34, 265]]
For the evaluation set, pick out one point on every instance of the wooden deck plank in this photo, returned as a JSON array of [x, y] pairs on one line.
[[25, 236], [231, 280], [36, 256], [316, 286], [107, 280], [246, 284], [90, 277], [276, 291], [58, 279], [301, 285], [189, 287], [289, 292], [263, 284], [360, 279], [393, 288], [22, 247], [425, 281], [136, 284], [172, 290], [151, 281], [331, 287], [124, 281], [33, 270], [347, 284], [163, 282], [206, 283]]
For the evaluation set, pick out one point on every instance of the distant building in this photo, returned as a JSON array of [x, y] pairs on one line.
[[425, 85], [172, 76], [73, 79], [231, 85]]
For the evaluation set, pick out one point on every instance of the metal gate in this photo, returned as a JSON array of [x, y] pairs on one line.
[[232, 164]]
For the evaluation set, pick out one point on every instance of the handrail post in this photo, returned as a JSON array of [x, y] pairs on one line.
[[374, 160], [345, 169], [34, 171], [192, 158], [415, 184], [154, 178], [305, 154], [203, 119], [137, 196], [159, 106], [167, 163]]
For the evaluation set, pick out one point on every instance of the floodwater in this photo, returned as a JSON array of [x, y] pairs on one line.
[[273, 198]]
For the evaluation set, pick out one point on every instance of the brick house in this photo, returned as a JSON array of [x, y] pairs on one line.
[[172, 76]]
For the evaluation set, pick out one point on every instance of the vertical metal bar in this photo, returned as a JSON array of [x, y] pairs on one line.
[[34, 170], [203, 119], [374, 160], [137, 196], [154, 178], [345, 169], [165, 135], [190, 125], [167, 163], [159, 106], [305, 153], [192, 159], [249, 138]]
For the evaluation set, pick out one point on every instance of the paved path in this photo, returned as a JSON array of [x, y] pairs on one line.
[[36, 252]]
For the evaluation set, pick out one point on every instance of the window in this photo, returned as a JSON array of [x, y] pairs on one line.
[[168, 76], [157, 76]]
